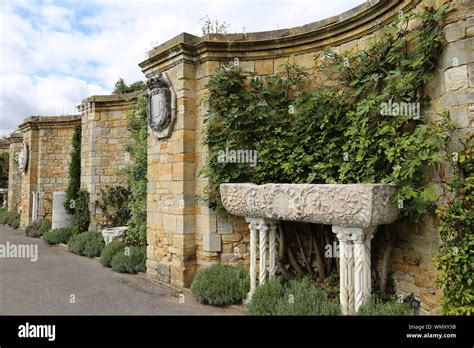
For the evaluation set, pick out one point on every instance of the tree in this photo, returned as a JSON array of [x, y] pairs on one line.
[[122, 87]]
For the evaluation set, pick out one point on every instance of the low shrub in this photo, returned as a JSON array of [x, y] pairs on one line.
[[302, 297], [38, 228], [88, 244], [13, 220], [3, 215], [378, 307], [138, 258], [110, 251], [132, 260], [265, 299], [58, 235], [9, 218], [297, 297], [121, 263], [220, 285]]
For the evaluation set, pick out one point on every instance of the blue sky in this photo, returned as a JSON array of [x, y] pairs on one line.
[[56, 53]]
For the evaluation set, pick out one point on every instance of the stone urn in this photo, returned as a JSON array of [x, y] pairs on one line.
[[113, 234]]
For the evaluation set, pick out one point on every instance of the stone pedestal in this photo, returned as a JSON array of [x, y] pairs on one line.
[[354, 266], [266, 242], [354, 211]]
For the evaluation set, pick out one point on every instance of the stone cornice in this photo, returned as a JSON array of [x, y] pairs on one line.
[[350, 25], [112, 100], [47, 122]]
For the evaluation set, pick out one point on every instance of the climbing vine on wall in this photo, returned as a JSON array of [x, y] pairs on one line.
[[136, 173], [74, 184], [4, 164], [335, 131], [455, 261]]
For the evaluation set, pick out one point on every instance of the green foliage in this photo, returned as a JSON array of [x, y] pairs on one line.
[[110, 250], [4, 164], [38, 228], [131, 262], [10, 218], [377, 307], [113, 206], [88, 244], [122, 87], [266, 298], [74, 183], [298, 297], [304, 132], [136, 173], [221, 285], [455, 261], [58, 235], [82, 216]]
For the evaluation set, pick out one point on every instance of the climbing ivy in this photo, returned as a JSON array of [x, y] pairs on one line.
[[4, 164], [310, 131], [455, 261], [136, 173], [74, 184]]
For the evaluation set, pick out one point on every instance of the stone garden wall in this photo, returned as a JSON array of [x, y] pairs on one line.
[[184, 235], [15, 177], [104, 135], [49, 143]]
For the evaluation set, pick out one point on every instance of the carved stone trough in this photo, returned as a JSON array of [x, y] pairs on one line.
[[353, 210]]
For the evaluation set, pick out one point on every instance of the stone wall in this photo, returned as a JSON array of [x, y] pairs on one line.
[[15, 177], [104, 135], [49, 144], [184, 235]]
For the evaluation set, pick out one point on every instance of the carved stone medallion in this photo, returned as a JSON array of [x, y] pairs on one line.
[[23, 157], [161, 106]]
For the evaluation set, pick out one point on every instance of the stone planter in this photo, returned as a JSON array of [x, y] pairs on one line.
[[353, 210], [60, 217], [113, 234]]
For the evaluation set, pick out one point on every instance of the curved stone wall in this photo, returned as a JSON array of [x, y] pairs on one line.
[[184, 235]]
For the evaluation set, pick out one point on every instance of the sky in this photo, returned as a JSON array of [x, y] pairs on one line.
[[53, 54]]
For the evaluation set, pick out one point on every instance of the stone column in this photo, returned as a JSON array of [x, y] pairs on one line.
[[262, 246], [267, 232], [354, 259], [253, 225], [346, 269], [272, 256], [362, 278]]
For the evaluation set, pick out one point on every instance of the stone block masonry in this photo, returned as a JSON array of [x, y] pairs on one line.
[[104, 136], [49, 145], [15, 177], [183, 235]]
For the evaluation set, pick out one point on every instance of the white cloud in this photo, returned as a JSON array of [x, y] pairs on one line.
[[54, 53]]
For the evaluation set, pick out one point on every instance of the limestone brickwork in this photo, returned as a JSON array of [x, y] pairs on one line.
[[15, 177], [104, 136], [183, 235], [49, 142]]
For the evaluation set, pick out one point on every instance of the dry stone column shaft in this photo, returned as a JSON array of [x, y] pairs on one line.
[[272, 242], [253, 254], [346, 269], [362, 282], [263, 227]]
